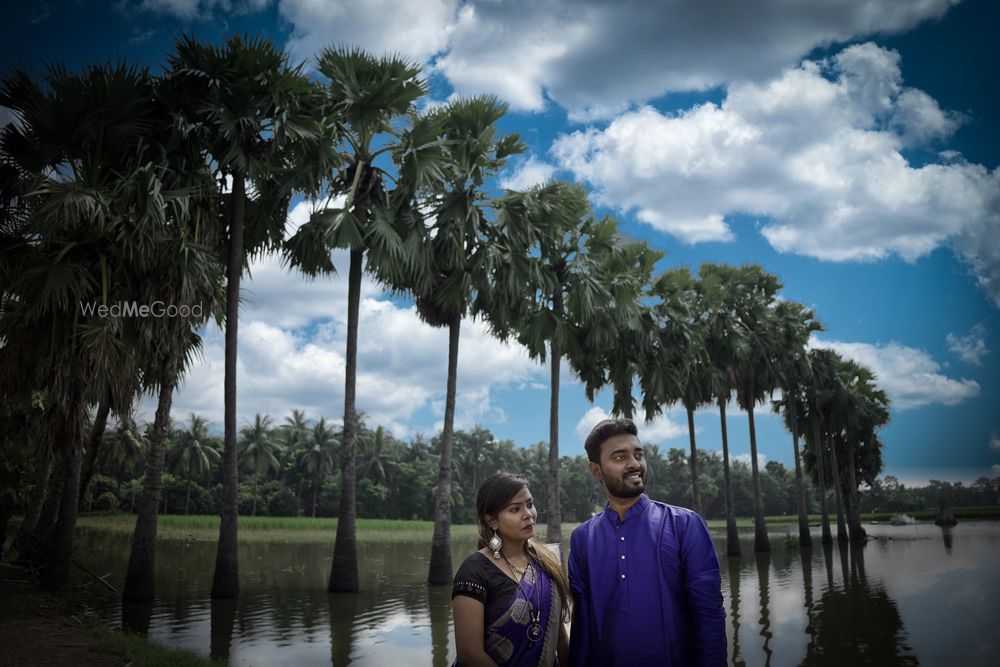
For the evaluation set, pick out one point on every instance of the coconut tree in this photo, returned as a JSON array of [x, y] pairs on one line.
[[316, 456], [816, 459], [194, 454], [254, 115], [369, 95], [259, 446]]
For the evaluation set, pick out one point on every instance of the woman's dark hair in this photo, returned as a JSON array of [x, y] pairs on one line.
[[603, 431], [493, 495]]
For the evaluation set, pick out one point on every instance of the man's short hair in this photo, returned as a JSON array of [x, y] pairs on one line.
[[604, 430]]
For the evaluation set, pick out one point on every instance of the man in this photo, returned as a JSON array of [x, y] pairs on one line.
[[644, 574]]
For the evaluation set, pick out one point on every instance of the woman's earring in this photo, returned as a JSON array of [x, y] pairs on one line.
[[495, 544]]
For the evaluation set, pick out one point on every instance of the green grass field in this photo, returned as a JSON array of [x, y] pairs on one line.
[[308, 529]]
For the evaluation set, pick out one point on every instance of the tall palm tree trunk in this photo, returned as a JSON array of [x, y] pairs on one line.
[[93, 444], [253, 511], [440, 572], [187, 498], [760, 541], [53, 490], [821, 473], [70, 436], [226, 578], [315, 488], [732, 534], [838, 493], [805, 539], [56, 574], [43, 466], [554, 532], [857, 532], [140, 577], [344, 569], [695, 495]]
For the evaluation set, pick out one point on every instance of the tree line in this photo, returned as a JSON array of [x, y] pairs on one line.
[[121, 185]]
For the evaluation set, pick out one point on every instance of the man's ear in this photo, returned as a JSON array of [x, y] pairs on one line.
[[595, 470]]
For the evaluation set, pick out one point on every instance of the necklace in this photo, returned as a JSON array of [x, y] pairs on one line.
[[534, 630]]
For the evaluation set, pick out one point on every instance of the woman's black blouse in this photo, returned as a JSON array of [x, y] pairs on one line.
[[480, 579]]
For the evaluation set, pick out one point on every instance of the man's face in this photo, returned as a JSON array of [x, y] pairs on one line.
[[623, 467]]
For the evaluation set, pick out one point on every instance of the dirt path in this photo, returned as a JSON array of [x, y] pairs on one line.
[[40, 629]]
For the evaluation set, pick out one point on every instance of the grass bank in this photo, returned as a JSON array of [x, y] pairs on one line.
[[308, 529], [37, 628]]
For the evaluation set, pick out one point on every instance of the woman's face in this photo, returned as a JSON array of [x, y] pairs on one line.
[[515, 521]]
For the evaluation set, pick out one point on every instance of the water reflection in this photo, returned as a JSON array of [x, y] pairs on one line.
[[898, 600], [857, 622]]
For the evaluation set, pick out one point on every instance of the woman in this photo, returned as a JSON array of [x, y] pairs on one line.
[[510, 597]]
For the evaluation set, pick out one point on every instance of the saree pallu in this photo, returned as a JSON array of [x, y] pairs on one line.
[[507, 640]]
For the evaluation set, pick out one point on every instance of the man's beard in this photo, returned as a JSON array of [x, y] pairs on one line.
[[619, 488]]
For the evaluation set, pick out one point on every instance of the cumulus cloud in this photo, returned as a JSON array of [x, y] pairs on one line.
[[527, 174], [416, 30], [909, 376], [746, 459], [593, 57], [970, 348], [815, 152], [660, 429], [198, 10], [291, 355]]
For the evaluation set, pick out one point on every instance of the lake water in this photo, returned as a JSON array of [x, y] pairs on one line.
[[912, 595]]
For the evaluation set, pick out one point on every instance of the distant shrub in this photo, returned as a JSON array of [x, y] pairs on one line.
[[106, 502]]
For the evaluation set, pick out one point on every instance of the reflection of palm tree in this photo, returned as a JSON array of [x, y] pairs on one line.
[[857, 623], [734, 607], [223, 620], [763, 566], [343, 610]]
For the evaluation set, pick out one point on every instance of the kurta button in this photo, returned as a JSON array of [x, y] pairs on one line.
[[622, 538], [623, 556], [623, 576]]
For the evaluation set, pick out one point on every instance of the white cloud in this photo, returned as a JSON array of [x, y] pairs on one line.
[[660, 429], [746, 459], [909, 376], [527, 174], [815, 152], [995, 442], [291, 355], [416, 30], [199, 10], [970, 348], [593, 57]]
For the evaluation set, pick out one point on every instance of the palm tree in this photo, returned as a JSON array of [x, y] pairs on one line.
[[726, 344], [794, 325], [823, 364], [370, 95], [678, 368], [755, 374], [465, 250], [88, 190], [565, 294], [194, 454], [316, 456], [254, 114], [258, 445]]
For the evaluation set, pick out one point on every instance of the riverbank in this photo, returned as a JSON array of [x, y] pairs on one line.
[[37, 628]]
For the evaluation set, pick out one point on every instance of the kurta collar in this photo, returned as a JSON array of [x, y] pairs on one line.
[[640, 506]]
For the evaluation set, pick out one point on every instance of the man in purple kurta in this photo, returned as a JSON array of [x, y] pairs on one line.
[[644, 574]]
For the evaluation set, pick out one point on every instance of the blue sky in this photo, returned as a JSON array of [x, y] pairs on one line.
[[849, 147]]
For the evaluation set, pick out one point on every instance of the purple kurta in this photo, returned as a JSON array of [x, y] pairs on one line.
[[646, 590]]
